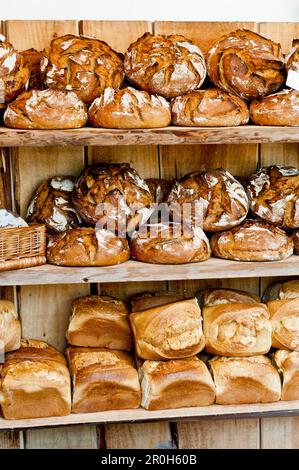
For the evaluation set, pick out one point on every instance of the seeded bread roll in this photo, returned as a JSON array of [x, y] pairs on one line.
[[279, 109], [253, 240], [246, 64], [166, 65], [32, 60], [41, 109], [273, 194], [14, 74], [211, 107], [129, 109], [82, 64], [10, 327], [287, 363]]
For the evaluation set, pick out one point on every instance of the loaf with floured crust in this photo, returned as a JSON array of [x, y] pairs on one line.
[[147, 300], [211, 297], [279, 109], [129, 109], [103, 380], [211, 107], [82, 64], [166, 65], [86, 246], [35, 382], [42, 109], [99, 321], [241, 380], [292, 59], [273, 194], [176, 384], [237, 329], [14, 74], [32, 59], [246, 64], [287, 363], [10, 327], [170, 331], [253, 240], [284, 316]]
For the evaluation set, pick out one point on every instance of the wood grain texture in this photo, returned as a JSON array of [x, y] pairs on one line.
[[74, 437]]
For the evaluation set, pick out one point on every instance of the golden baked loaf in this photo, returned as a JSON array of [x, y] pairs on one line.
[[246, 64], [241, 380], [35, 382], [176, 384], [285, 323], [211, 297], [159, 189], [51, 204], [14, 75], [296, 242], [103, 380], [273, 194], [287, 363], [32, 59], [147, 300], [282, 291], [82, 64], [113, 194], [292, 59], [171, 331], [87, 247], [237, 329], [279, 109], [254, 240], [42, 109], [211, 107], [129, 109], [99, 321], [223, 198], [10, 327], [169, 244], [166, 65]]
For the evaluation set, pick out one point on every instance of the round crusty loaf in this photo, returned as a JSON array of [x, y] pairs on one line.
[[87, 247], [166, 65], [14, 75], [224, 200], [159, 189], [246, 64], [211, 107], [169, 244], [46, 109], [254, 240], [279, 109], [32, 59], [81, 64], [125, 194], [274, 195], [129, 109], [51, 204]]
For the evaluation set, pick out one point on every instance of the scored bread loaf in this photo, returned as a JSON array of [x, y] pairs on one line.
[[103, 380], [287, 363], [85, 246], [10, 327], [41, 109], [32, 60], [211, 297], [292, 59], [166, 65], [14, 74], [279, 109], [181, 320], [211, 107], [253, 240], [147, 300], [285, 323], [246, 64], [129, 109], [241, 380], [101, 322], [176, 384], [82, 64]]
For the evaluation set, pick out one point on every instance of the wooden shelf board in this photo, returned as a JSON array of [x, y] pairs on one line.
[[165, 136], [135, 271], [281, 408]]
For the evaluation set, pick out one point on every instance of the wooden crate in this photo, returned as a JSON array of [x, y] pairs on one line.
[[44, 304]]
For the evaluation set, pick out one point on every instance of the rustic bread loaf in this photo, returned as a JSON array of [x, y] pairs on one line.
[[32, 60], [296, 242], [10, 327], [287, 363], [159, 189], [284, 316], [292, 59], [147, 300], [211, 297], [14, 74], [279, 109]]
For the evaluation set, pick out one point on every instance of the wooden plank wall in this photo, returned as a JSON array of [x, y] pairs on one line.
[[45, 317]]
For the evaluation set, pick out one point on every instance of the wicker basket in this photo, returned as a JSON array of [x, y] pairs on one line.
[[22, 247]]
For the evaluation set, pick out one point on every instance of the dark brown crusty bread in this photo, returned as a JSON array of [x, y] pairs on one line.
[[32, 60], [253, 240], [146, 300], [279, 109], [246, 64], [82, 64], [87, 247], [41, 109], [274, 195], [159, 189], [166, 65], [211, 107], [296, 242], [129, 109], [292, 59], [14, 74]]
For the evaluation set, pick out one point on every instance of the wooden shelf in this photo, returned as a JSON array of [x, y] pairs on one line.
[[281, 408], [165, 136], [132, 271]]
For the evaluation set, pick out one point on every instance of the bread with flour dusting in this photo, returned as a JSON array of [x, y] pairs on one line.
[[14, 74], [279, 109]]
